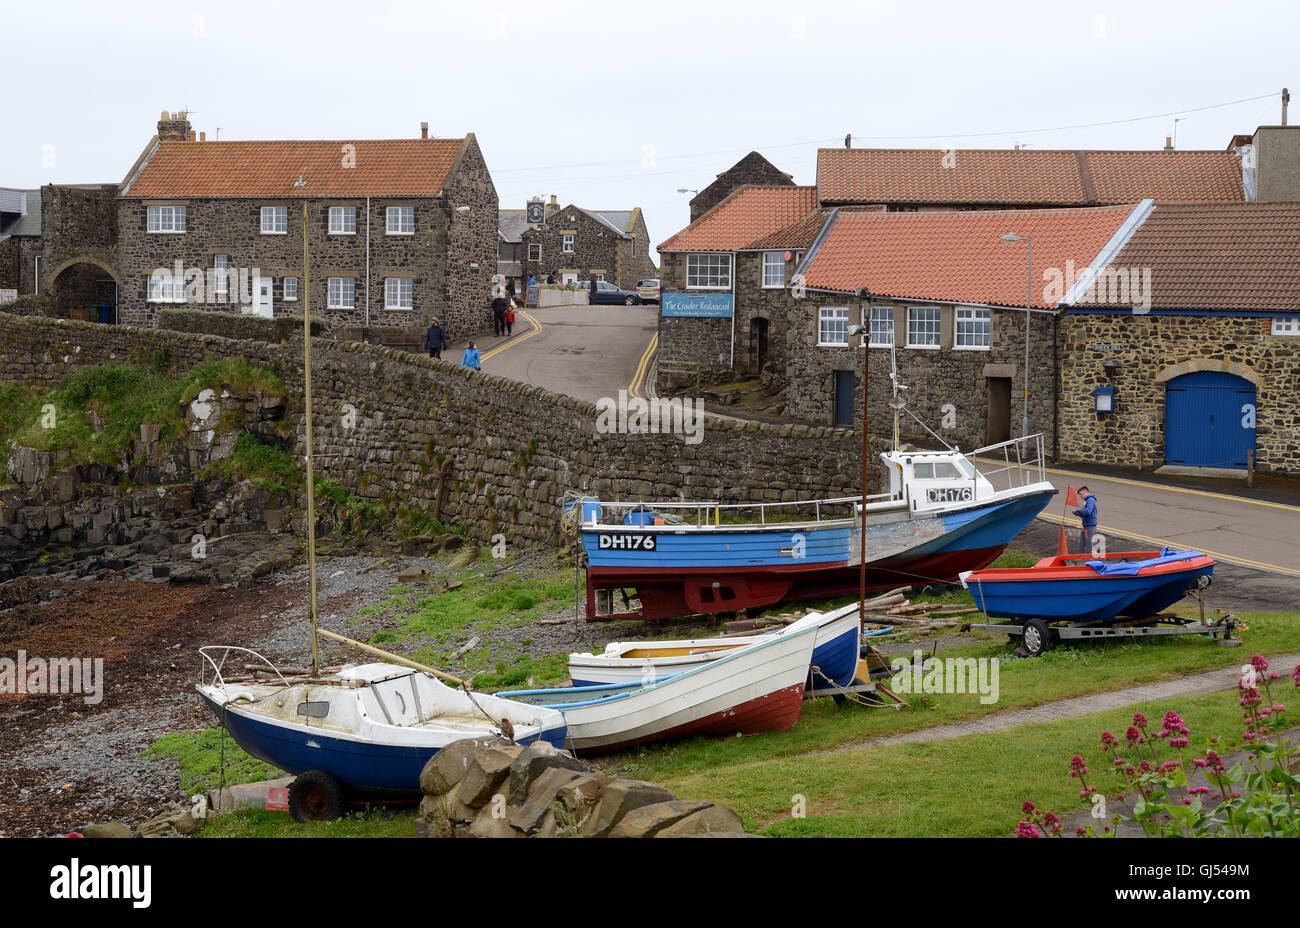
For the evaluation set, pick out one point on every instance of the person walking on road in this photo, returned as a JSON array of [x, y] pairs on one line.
[[471, 358], [435, 339], [499, 306], [510, 319], [1088, 516]]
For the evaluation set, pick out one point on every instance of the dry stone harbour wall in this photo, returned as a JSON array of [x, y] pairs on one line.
[[387, 422]]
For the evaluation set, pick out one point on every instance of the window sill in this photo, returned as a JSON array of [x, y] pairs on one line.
[[972, 348], [832, 344], [165, 232], [412, 232], [924, 347], [339, 307], [342, 233], [289, 299], [265, 232], [881, 345], [726, 288]]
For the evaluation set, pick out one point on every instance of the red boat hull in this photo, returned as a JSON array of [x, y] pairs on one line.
[[705, 590], [778, 711]]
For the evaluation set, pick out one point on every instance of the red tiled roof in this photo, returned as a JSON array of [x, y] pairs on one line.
[[396, 167], [1024, 177], [798, 235], [959, 256], [1242, 256], [748, 214]]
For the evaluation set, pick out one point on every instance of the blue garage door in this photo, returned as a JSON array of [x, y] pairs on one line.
[[1209, 420]]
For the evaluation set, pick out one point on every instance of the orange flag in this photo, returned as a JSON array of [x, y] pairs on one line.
[[1071, 498]]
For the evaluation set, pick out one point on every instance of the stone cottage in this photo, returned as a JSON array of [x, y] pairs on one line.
[[399, 230], [1205, 373], [577, 244], [943, 296], [724, 282]]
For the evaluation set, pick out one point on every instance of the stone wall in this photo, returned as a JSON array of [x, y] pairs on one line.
[[471, 248], [948, 388], [513, 449], [751, 169], [685, 343], [1153, 348], [595, 246]]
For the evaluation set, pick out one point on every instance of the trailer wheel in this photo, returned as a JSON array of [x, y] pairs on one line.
[[1038, 637], [316, 796]]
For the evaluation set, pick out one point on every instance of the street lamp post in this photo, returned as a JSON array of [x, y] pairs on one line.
[[1029, 301]]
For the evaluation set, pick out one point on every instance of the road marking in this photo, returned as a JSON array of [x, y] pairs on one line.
[[638, 378], [537, 327], [1158, 486], [1164, 542]]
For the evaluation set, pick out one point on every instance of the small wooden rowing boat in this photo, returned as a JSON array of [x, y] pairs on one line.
[[748, 690], [834, 657]]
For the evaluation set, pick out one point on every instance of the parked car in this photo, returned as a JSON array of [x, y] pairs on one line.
[[648, 290], [602, 291]]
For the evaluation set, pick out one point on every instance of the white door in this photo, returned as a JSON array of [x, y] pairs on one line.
[[265, 300], [571, 278]]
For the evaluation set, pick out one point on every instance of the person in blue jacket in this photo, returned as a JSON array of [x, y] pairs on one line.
[[471, 358], [1088, 515]]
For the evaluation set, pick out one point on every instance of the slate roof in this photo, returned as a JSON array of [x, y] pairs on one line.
[[13, 203], [1026, 177], [511, 224], [393, 167]]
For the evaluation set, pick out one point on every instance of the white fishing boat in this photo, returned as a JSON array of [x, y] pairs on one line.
[[752, 689], [834, 657]]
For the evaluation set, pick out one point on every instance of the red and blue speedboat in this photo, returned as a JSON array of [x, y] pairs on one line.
[[1083, 588], [942, 516]]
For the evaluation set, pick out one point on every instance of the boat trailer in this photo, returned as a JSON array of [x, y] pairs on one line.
[[1040, 637]]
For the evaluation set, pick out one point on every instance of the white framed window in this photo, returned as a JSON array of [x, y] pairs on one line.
[[343, 220], [400, 220], [342, 293], [290, 287], [397, 292], [166, 288], [534, 252], [568, 244], [882, 327], [275, 220], [833, 327], [773, 269], [220, 275], [923, 327], [1286, 325], [972, 328], [708, 272], [165, 218]]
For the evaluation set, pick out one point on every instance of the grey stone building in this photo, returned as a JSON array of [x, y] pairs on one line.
[[398, 230], [60, 242], [724, 281], [751, 170], [578, 244]]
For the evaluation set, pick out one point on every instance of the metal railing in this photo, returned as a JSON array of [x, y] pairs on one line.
[[1021, 458], [710, 512], [218, 663]]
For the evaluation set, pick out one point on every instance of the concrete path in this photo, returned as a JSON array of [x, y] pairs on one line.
[[1210, 681], [1255, 533]]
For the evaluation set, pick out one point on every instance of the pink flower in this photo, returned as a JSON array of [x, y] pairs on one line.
[[1080, 832], [1187, 800], [1279, 708], [1028, 807], [1077, 767], [1295, 675], [1178, 742], [1199, 762], [1139, 720], [1134, 736], [1259, 663], [1214, 761], [1027, 830], [1236, 795], [1169, 765], [1250, 696], [1108, 740]]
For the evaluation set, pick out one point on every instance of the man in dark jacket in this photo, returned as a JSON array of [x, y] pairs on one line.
[[499, 306], [1088, 517], [435, 339]]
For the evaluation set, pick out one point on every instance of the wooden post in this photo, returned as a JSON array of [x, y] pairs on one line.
[[1250, 468], [311, 488]]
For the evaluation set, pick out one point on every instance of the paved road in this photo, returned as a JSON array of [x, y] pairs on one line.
[[1260, 534], [586, 352]]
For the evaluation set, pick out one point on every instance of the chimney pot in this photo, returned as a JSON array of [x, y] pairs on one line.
[[1169, 143], [193, 136], [553, 203], [203, 136], [424, 130]]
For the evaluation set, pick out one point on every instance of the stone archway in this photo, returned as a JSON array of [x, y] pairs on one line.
[[1209, 364], [85, 287]]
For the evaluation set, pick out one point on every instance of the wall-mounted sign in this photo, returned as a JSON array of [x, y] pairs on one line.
[[1105, 347], [536, 213], [698, 305]]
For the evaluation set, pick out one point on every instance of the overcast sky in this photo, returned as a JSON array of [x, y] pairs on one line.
[[612, 105]]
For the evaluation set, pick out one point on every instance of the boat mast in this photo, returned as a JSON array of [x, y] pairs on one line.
[[864, 298], [311, 488]]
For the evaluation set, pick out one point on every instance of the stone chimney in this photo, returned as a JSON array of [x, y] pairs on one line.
[[174, 127], [424, 130], [1275, 157], [1169, 143]]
